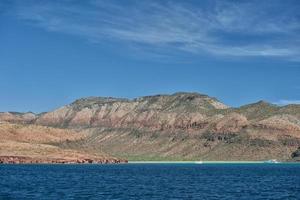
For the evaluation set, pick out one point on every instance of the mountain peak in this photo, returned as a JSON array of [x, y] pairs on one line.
[[88, 101], [261, 103]]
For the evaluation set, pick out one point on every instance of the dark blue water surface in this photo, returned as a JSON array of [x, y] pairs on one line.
[[150, 181]]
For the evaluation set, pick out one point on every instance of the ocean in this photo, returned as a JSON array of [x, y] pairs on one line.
[[151, 181]]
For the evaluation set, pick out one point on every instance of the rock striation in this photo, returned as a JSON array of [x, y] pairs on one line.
[[177, 111]]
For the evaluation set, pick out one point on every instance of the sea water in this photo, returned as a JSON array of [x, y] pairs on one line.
[[151, 181]]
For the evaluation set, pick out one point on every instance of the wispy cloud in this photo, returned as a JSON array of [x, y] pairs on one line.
[[287, 102], [222, 28]]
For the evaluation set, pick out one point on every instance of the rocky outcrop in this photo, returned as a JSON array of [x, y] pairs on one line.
[[296, 155]]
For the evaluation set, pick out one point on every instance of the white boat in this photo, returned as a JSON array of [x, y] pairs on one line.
[[272, 161], [199, 162]]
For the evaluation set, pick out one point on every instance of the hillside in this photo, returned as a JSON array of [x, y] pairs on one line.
[[37, 144], [181, 126]]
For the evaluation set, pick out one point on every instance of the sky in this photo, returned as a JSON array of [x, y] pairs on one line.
[[53, 52]]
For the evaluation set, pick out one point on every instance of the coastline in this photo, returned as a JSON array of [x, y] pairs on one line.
[[153, 163], [32, 160], [208, 162]]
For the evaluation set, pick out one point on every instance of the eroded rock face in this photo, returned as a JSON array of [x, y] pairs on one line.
[[57, 117], [178, 111], [231, 123], [280, 122]]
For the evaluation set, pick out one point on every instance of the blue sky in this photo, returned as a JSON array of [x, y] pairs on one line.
[[53, 52]]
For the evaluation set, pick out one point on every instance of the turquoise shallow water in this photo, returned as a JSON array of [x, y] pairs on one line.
[[151, 181]]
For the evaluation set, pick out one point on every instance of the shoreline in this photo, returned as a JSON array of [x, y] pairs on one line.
[[156, 163], [31, 160], [208, 162]]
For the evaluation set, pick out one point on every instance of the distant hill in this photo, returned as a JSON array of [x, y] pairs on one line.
[[181, 126]]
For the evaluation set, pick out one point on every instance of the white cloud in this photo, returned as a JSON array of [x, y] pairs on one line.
[[222, 28]]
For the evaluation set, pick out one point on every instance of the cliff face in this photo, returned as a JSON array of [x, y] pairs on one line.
[[178, 126], [178, 111]]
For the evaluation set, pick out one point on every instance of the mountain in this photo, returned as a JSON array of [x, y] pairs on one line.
[[155, 112], [181, 126]]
